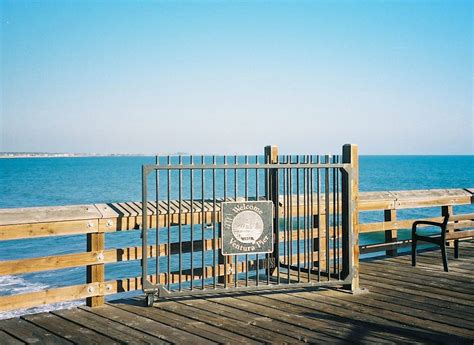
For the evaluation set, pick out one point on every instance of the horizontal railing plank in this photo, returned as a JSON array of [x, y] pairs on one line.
[[57, 262], [34, 230], [53, 295], [393, 225], [50, 263], [458, 222], [82, 219], [49, 214]]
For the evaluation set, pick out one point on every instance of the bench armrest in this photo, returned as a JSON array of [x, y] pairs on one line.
[[426, 222]]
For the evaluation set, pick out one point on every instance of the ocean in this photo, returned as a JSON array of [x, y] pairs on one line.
[[27, 182]]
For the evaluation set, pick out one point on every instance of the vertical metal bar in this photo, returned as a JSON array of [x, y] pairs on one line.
[[338, 221], [318, 195], [290, 208], [268, 197], [285, 224], [277, 223], [308, 219], [225, 199], [180, 228], [168, 249], [214, 225], [298, 218], [326, 196], [191, 196], [246, 199], [144, 225], [236, 259], [312, 214], [157, 175], [203, 221], [257, 278], [304, 214], [334, 249], [288, 219]]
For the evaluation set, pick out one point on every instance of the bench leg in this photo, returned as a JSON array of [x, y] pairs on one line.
[[445, 257], [456, 249], [413, 252]]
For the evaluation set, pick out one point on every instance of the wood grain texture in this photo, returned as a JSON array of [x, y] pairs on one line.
[[69, 330], [30, 333], [48, 296], [28, 215], [95, 273]]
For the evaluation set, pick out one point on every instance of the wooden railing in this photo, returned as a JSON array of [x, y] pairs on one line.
[[95, 220], [391, 202]]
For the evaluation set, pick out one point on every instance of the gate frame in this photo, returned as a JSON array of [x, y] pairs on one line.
[[350, 238]]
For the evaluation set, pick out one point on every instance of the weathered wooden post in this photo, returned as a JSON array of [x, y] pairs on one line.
[[96, 273], [271, 191], [350, 215]]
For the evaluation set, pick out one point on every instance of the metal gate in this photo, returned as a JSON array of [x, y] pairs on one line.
[[186, 228]]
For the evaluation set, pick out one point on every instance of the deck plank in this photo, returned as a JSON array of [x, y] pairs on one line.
[[409, 291], [148, 326], [394, 323], [242, 328], [416, 277], [180, 322], [366, 326], [438, 293], [281, 321], [412, 316], [107, 327], [443, 307], [422, 311], [6, 338], [30, 333], [400, 264], [330, 328], [68, 330]]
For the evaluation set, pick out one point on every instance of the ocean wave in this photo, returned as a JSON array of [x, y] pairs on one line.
[[41, 309], [12, 285]]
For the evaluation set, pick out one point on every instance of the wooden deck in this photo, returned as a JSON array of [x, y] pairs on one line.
[[404, 304]]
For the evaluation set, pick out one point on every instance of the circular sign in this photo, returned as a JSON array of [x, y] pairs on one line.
[[247, 226]]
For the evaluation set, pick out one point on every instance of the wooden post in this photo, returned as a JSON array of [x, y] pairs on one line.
[[271, 191], [350, 214], [96, 273], [448, 210], [228, 276], [271, 154], [390, 234]]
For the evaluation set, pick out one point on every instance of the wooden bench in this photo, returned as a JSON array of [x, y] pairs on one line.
[[462, 229]]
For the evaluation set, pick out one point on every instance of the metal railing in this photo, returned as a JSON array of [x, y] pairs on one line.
[[311, 223]]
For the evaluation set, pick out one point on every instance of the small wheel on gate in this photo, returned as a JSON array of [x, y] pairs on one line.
[[150, 299]]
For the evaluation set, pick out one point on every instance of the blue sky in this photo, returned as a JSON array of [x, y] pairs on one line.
[[394, 77]]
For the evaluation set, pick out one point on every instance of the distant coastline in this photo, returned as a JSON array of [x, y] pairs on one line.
[[64, 155], [79, 155]]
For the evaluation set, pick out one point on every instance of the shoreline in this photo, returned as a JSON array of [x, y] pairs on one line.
[[70, 155]]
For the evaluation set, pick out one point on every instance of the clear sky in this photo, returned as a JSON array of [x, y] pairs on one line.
[[394, 77]]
